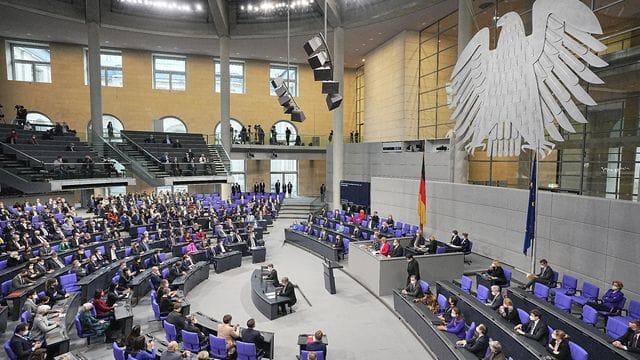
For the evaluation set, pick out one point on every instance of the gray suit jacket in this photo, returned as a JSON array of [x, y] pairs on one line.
[[41, 326], [30, 306]]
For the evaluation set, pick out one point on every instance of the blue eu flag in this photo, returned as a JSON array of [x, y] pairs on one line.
[[531, 209]]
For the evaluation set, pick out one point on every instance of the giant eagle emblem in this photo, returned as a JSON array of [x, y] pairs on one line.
[[529, 84]]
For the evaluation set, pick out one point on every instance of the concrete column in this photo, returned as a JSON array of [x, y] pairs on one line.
[[459, 168], [93, 60], [337, 142], [225, 94]]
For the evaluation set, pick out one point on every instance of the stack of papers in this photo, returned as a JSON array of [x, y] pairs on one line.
[[271, 295]]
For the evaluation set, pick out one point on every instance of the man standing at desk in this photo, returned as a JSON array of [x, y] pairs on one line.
[[286, 291], [317, 344], [413, 268], [272, 275]]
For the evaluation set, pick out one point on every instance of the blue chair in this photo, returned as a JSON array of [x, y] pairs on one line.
[[633, 313], [568, 286], [246, 351], [24, 316], [118, 352], [469, 334], [169, 331], [441, 250], [163, 256], [590, 315], [442, 302], [156, 310], [165, 273], [524, 316], [398, 233], [507, 275], [482, 293], [563, 302], [217, 347], [588, 293], [467, 261], [615, 329], [84, 334], [345, 247], [5, 287], [577, 352], [424, 286], [150, 284], [3, 264], [115, 279], [191, 342], [146, 263], [68, 283], [304, 355], [541, 291], [465, 284], [68, 259], [127, 251], [9, 351]]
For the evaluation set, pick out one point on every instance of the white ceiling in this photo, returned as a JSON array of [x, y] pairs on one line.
[[25, 23]]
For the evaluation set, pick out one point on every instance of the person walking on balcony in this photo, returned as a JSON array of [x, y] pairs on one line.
[[289, 188], [287, 134]]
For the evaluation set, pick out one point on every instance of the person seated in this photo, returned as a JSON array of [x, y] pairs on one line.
[[150, 139], [33, 140], [384, 248], [155, 277], [187, 263], [390, 221], [495, 299], [30, 304], [272, 275], [32, 273], [397, 250], [90, 323], [456, 325], [612, 301], [545, 276], [113, 296], [559, 345], [496, 274], [630, 341], [87, 166], [418, 240], [21, 281], [176, 271], [413, 289], [21, 344], [287, 290], [53, 290], [41, 325], [71, 147], [535, 329], [103, 310], [495, 353], [478, 344], [452, 302], [142, 350], [78, 269], [230, 333], [176, 143], [385, 228], [252, 336], [165, 303], [317, 344], [192, 247], [125, 279], [54, 262]]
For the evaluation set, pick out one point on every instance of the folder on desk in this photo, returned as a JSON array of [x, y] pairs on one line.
[[270, 295]]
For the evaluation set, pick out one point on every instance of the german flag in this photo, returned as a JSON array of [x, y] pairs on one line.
[[422, 197]]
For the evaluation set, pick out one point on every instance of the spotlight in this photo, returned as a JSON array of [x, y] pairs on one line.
[[319, 59]]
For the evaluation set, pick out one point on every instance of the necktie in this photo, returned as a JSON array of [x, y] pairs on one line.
[[222, 247], [635, 340], [533, 327], [253, 243]]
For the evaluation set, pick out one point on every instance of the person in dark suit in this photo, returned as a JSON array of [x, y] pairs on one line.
[[545, 276], [54, 262], [287, 291], [339, 245], [176, 271], [413, 288], [272, 275], [252, 336], [630, 341], [496, 351], [113, 296], [155, 259], [20, 343], [155, 277], [418, 240], [478, 344], [495, 299], [432, 245], [535, 329], [413, 268], [508, 312], [176, 319], [53, 290], [21, 280], [452, 303], [559, 345], [317, 344], [397, 249], [94, 265], [455, 239], [465, 245], [496, 272]]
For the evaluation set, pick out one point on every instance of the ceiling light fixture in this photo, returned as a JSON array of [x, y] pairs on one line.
[[164, 5]]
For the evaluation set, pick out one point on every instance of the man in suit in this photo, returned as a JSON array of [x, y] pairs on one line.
[[455, 239], [545, 276], [155, 277], [418, 240], [30, 304], [495, 300], [155, 259], [21, 280], [413, 288], [478, 344], [176, 271], [20, 343], [178, 320], [272, 275], [630, 341], [413, 268], [323, 235], [287, 291], [398, 250], [54, 262], [375, 220], [535, 329], [252, 336], [278, 186], [317, 344], [172, 353]]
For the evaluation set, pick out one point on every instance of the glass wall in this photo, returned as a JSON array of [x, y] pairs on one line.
[[286, 171], [601, 158], [238, 174]]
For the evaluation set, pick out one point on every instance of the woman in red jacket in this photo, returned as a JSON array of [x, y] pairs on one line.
[[102, 309], [384, 248]]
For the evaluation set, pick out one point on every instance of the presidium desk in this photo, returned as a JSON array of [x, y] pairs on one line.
[[267, 305], [382, 274]]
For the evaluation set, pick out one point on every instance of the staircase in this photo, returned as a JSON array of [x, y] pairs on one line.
[[221, 159], [298, 208], [152, 167]]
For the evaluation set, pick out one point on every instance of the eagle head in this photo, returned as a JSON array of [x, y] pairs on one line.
[[509, 18]]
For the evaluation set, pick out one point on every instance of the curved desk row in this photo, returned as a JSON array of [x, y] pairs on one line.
[[193, 277], [263, 295], [323, 249]]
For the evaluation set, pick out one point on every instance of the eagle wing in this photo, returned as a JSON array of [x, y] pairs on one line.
[[467, 89], [562, 51]]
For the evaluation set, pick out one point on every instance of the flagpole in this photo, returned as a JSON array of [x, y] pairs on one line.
[[535, 228]]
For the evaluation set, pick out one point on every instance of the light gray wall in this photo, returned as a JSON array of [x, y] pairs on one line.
[[398, 197], [595, 239]]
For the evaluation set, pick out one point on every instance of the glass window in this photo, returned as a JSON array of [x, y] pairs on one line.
[[284, 165], [115, 190], [110, 68], [235, 125], [172, 124], [281, 132], [236, 71], [237, 172], [280, 71], [237, 166], [169, 72], [286, 171], [36, 118], [106, 119], [30, 63]]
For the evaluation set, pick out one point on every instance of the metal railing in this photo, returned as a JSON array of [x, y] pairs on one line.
[[16, 151], [280, 140]]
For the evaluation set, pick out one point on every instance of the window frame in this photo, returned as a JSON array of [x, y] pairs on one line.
[[170, 73], [282, 66], [11, 61], [104, 69], [217, 77]]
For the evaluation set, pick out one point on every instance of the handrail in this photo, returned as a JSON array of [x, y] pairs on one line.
[[122, 134], [24, 154]]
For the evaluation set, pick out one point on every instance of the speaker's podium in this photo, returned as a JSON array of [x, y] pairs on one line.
[[329, 278], [258, 254]]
